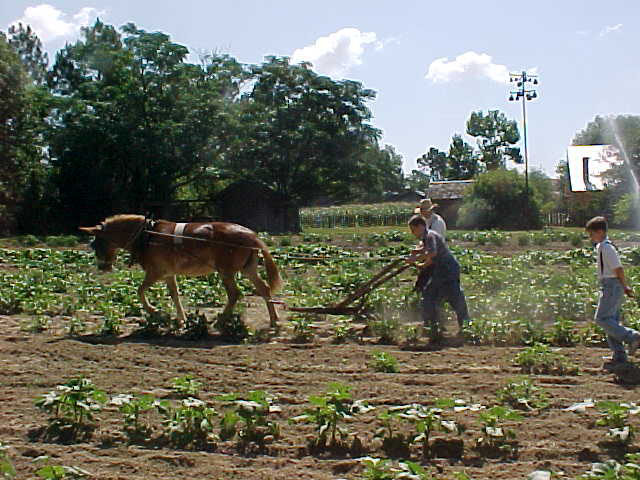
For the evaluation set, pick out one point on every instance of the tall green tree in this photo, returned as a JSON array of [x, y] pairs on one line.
[[135, 122], [22, 110], [436, 163], [380, 172], [496, 134], [498, 199], [463, 164], [29, 48], [304, 134]]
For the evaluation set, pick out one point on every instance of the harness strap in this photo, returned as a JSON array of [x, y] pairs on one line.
[[601, 259], [178, 231]]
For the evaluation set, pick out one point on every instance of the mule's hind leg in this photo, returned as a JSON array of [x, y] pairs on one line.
[[149, 280], [233, 293], [172, 285], [251, 271]]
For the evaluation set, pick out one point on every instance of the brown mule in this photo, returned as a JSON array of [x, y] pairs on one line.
[[165, 249]]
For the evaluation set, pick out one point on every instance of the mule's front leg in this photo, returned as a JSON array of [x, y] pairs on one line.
[[175, 295], [146, 283]]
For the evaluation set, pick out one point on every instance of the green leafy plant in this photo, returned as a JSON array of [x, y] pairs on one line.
[[73, 406], [329, 411], [383, 362], [613, 470], [190, 424], [248, 419], [153, 324], [7, 470], [522, 394], [427, 420], [302, 328], [394, 442], [383, 469], [59, 472], [412, 334], [385, 326], [231, 327], [563, 333], [615, 415], [186, 386], [132, 407], [342, 332], [539, 358], [196, 326], [494, 432], [377, 469]]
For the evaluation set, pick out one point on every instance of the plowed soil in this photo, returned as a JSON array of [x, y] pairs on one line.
[[552, 439]]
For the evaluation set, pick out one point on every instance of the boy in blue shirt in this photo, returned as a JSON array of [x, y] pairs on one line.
[[613, 287], [444, 282]]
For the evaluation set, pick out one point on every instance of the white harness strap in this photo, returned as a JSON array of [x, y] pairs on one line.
[[178, 232]]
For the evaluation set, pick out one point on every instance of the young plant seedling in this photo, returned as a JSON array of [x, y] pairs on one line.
[[539, 358], [522, 394], [186, 386], [73, 406], [248, 418], [383, 362], [494, 433], [132, 407], [616, 416], [190, 424], [329, 411]]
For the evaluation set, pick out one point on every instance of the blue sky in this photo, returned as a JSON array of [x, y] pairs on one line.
[[431, 63]]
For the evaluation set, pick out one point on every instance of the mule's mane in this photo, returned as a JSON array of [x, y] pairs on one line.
[[127, 217]]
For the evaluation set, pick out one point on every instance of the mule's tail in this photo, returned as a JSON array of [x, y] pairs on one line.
[[273, 274]]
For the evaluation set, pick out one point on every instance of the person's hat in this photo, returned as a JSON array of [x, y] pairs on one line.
[[425, 204]]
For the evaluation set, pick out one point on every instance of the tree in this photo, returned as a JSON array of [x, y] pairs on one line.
[[495, 135], [22, 110], [380, 172], [436, 163], [136, 122], [418, 180], [304, 134], [498, 200], [463, 164], [29, 48]]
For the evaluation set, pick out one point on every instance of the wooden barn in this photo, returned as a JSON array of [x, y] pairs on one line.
[[448, 195], [257, 207]]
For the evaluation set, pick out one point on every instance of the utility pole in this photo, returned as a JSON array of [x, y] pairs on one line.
[[523, 93]]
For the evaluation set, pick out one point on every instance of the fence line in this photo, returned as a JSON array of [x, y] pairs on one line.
[[353, 220]]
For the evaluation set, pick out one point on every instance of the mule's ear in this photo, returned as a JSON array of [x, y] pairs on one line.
[[91, 230]]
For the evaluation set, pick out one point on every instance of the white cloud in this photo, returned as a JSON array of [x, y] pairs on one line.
[[336, 53], [50, 23], [469, 64], [610, 29]]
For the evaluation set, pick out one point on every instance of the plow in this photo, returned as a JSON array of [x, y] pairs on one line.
[[354, 303]]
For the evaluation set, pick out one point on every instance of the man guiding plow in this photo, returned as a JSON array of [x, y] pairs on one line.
[[443, 283]]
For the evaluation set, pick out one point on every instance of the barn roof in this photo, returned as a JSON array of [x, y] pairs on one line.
[[448, 190]]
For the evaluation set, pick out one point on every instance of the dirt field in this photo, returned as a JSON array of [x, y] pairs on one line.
[[33, 364]]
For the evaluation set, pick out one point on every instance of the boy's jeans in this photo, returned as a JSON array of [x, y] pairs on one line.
[[444, 284], [608, 317]]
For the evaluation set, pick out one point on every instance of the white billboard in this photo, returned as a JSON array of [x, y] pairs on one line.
[[587, 164]]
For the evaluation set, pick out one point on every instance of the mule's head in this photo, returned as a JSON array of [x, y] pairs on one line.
[[104, 248]]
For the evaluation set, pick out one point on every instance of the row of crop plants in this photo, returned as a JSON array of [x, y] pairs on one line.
[[532, 296], [253, 421]]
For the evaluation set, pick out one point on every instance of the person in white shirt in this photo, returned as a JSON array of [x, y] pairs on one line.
[[434, 221], [613, 287]]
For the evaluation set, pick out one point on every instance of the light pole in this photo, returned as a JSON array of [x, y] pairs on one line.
[[523, 93]]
